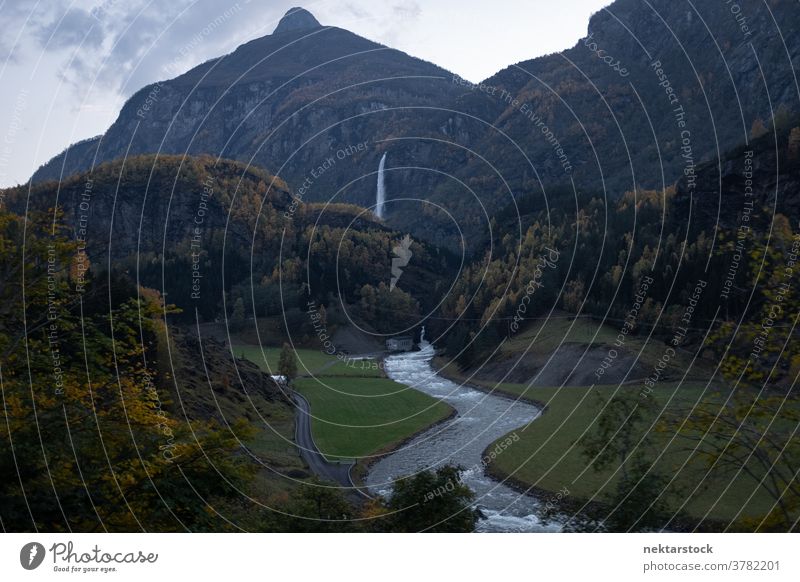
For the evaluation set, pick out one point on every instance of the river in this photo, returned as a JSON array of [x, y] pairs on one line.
[[482, 419]]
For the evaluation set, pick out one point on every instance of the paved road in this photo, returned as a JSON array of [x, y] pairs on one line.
[[319, 465]]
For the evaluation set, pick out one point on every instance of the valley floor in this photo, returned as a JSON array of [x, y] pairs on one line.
[[547, 458], [357, 413]]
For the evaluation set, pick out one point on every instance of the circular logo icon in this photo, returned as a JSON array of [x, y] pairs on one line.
[[31, 555]]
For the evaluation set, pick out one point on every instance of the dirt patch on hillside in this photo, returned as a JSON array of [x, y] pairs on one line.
[[570, 365]]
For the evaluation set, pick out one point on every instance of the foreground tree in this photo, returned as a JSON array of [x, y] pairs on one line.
[[639, 503], [315, 506], [90, 440], [750, 427], [616, 435], [751, 435], [621, 441], [432, 502]]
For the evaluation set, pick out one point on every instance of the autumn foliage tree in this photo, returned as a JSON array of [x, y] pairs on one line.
[[90, 439], [754, 431]]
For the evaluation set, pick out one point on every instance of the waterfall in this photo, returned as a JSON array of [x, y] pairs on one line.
[[381, 197]]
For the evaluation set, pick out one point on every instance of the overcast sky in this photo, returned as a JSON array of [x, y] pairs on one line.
[[66, 67]]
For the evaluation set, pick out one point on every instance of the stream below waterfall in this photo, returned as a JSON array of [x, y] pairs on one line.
[[482, 419]]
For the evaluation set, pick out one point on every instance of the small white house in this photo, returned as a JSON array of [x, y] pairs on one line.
[[401, 343]]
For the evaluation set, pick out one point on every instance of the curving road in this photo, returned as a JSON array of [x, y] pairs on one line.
[[316, 461]]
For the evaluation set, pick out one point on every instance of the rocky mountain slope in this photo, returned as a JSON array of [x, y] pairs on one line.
[[654, 89], [299, 102]]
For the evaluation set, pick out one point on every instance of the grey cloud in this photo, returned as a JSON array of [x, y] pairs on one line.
[[74, 27], [16, 14], [357, 11], [122, 45], [411, 10]]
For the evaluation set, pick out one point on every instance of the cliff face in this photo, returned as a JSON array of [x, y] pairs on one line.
[[654, 89], [746, 187]]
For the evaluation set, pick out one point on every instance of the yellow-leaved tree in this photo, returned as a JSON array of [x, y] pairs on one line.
[[90, 440]]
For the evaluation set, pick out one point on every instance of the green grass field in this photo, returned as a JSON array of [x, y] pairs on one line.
[[356, 417], [546, 455], [357, 411], [308, 361], [354, 368]]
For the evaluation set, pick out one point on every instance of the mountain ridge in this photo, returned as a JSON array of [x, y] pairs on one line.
[[458, 151]]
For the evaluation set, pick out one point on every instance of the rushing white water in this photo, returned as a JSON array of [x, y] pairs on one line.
[[482, 419], [380, 198]]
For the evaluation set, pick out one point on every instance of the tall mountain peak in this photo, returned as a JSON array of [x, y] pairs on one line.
[[296, 19]]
